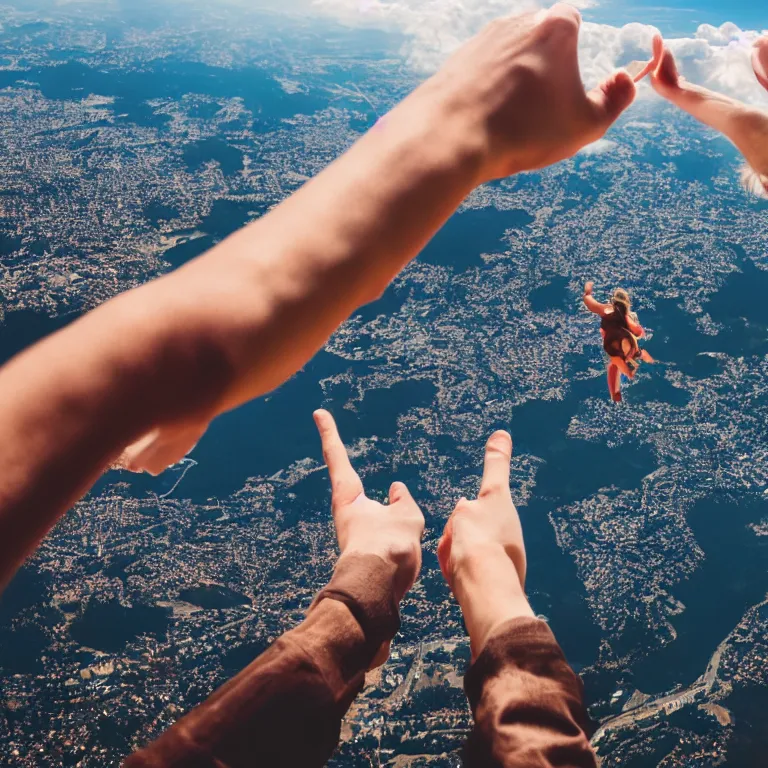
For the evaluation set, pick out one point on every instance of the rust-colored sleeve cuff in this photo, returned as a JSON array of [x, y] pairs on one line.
[[366, 585], [527, 702], [285, 709]]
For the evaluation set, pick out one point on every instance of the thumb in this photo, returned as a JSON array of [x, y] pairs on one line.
[[667, 73], [612, 97], [399, 492], [639, 70]]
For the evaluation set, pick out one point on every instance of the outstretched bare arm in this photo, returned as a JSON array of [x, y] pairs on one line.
[[744, 125], [591, 303], [238, 321]]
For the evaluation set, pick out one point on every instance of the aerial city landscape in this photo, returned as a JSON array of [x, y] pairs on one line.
[[135, 137]]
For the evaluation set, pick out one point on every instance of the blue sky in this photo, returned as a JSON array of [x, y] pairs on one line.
[[680, 17]]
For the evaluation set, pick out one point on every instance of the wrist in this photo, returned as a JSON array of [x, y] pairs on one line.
[[445, 134], [489, 590], [366, 584]]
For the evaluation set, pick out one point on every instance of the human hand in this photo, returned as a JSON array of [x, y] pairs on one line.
[[760, 61], [482, 553], [665, 78], [364, 526], [517, 87], [588, 288]]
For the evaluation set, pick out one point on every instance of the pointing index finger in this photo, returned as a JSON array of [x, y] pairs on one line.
[[498, 454], [345, 482]]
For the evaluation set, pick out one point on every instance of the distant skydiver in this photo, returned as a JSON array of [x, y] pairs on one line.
[[620, 330], [746, 126]]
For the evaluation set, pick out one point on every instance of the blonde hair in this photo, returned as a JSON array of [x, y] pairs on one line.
[[621, 301], [754, 182]]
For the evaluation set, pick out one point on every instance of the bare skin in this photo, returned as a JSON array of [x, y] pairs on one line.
[[366, 527], [744, 125], [616, 365], [165, 359], [482, 552]]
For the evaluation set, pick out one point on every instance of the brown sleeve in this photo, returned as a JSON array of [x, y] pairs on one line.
[[285, 709], [527, 702]]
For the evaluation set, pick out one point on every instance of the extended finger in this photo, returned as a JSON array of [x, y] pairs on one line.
[[638, 70], [345, 482], [666, 71], [498, 454]]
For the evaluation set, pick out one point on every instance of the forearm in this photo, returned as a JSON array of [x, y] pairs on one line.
[[745, 126], [526, 701], [228, 327], [286, 708], [70, 403], [280, 711], [488, 588], [337, 243], [592, 304]]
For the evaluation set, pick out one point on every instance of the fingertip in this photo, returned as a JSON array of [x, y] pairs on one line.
[[500, 440], [398, 491], [614, 96], [623, 80], [560, 24], [626, 83], [566, 12]]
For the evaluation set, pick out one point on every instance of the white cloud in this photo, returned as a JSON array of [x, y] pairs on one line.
[[435, 28], [716, 57], [719, 58], [599, 147]]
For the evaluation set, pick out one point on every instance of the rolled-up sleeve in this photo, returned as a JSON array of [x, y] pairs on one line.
[[527, 703], [286, 708]]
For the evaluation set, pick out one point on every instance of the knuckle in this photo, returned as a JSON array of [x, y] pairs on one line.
[[492, 489], [562, 24], [463, 507]]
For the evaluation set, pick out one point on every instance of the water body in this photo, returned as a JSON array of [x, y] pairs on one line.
[[469, 234], [748, 707], [239, 657], [157, 212], [22, 328], [732, 578], [211, 596], [739, 306], [189, 249], [111, 626], [573, 469], [166, 79], [552, 295], [22, 647], [200, 152], [227, 216]]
